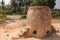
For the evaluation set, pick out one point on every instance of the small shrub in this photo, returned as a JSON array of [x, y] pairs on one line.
[[23, 17], [54, 14]]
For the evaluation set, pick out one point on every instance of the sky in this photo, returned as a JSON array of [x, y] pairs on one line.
[[56, 6], [6, 1]]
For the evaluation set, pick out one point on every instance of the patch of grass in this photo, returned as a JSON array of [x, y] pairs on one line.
[[7, 18], [2, 15], [58, 17]]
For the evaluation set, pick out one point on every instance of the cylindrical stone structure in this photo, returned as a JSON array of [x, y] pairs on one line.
[[39, 19]]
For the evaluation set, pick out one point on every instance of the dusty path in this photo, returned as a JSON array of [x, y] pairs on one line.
[[15, 33]]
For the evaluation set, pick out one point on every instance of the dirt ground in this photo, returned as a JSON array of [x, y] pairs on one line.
[[15, 32]]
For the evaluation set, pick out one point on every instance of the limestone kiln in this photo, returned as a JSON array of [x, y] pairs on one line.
[[39, 19]]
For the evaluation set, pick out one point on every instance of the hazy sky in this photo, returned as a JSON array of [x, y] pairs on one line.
[[56, 6], [6, 1]]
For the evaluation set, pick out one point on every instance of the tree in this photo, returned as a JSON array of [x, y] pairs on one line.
[[20, 6], [13, 6], [2, 6], [50, 3]]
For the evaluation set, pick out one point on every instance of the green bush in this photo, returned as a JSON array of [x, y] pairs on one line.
[[23, 17], [55, 14]]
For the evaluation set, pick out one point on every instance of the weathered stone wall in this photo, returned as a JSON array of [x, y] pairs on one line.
[[39, 19]]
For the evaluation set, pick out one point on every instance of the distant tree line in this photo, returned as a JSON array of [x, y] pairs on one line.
[[21, 6]]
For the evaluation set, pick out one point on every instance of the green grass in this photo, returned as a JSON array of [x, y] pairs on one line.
[[57, 17]]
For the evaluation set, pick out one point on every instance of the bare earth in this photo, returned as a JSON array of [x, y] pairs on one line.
[[15, 32]]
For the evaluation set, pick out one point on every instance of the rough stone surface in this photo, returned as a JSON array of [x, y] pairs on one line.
[[39, 19]]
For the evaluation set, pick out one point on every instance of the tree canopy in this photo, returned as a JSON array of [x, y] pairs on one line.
[[50, 3], [21, 6]]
